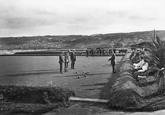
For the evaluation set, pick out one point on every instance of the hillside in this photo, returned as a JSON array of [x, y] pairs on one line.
[[78, 41]]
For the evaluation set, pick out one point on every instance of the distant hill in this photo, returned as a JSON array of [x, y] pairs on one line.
[[78, 41]]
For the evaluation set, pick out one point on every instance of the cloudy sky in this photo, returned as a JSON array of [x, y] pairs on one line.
[[85, 17]]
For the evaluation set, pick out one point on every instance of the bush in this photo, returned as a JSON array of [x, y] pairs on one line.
[[36, 100], [27, 94]]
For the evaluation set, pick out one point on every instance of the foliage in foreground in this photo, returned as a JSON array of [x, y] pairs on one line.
[[27, 94], [157, 49], [26, 99], [156, 55]]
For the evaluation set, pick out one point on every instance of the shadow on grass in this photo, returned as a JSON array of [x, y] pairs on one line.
[[45, 70], [32, 73], [86, 74], [97, 84], [104, 93], [94, 89]]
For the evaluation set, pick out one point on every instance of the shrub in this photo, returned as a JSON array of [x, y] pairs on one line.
[[156, 55], [27, 94]]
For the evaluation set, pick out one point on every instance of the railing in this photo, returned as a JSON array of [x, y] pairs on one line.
[[57, 51]]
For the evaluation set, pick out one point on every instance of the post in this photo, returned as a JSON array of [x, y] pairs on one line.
[[154, 34]]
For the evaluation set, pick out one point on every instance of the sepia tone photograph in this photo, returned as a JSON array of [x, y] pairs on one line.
[[82, 57]]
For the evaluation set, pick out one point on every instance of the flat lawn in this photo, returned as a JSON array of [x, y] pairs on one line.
[[87, 86]]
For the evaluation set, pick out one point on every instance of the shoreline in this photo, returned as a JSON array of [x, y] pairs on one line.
[[28, 54]]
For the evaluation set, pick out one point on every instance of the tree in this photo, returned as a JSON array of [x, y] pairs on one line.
[[156, 55]]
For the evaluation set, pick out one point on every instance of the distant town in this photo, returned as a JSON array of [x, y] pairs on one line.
[[11, 45]]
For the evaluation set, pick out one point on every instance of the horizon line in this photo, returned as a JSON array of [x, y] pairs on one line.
[[80, 34]]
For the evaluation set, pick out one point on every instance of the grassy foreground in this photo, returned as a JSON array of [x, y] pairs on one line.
[[25, 99]]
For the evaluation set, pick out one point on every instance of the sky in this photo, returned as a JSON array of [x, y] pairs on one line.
[[79, 17]]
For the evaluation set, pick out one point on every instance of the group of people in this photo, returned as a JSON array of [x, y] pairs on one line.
[[140, 64], [70, 56], [65, 58], [99, 51]]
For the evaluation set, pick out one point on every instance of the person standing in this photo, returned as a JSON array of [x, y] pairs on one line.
[[67, 60], [100, 51], [92, 51], [73, 59], [87, 52], [110, 51], [103, 51], [61, 61], [113, 61]]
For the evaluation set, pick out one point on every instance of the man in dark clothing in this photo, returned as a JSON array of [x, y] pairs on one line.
[[87, 53], [103, 52], [100, 51], [67, 60], [92, 51], [61, 61], [113, 61], [110, 51], [73, 59]]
